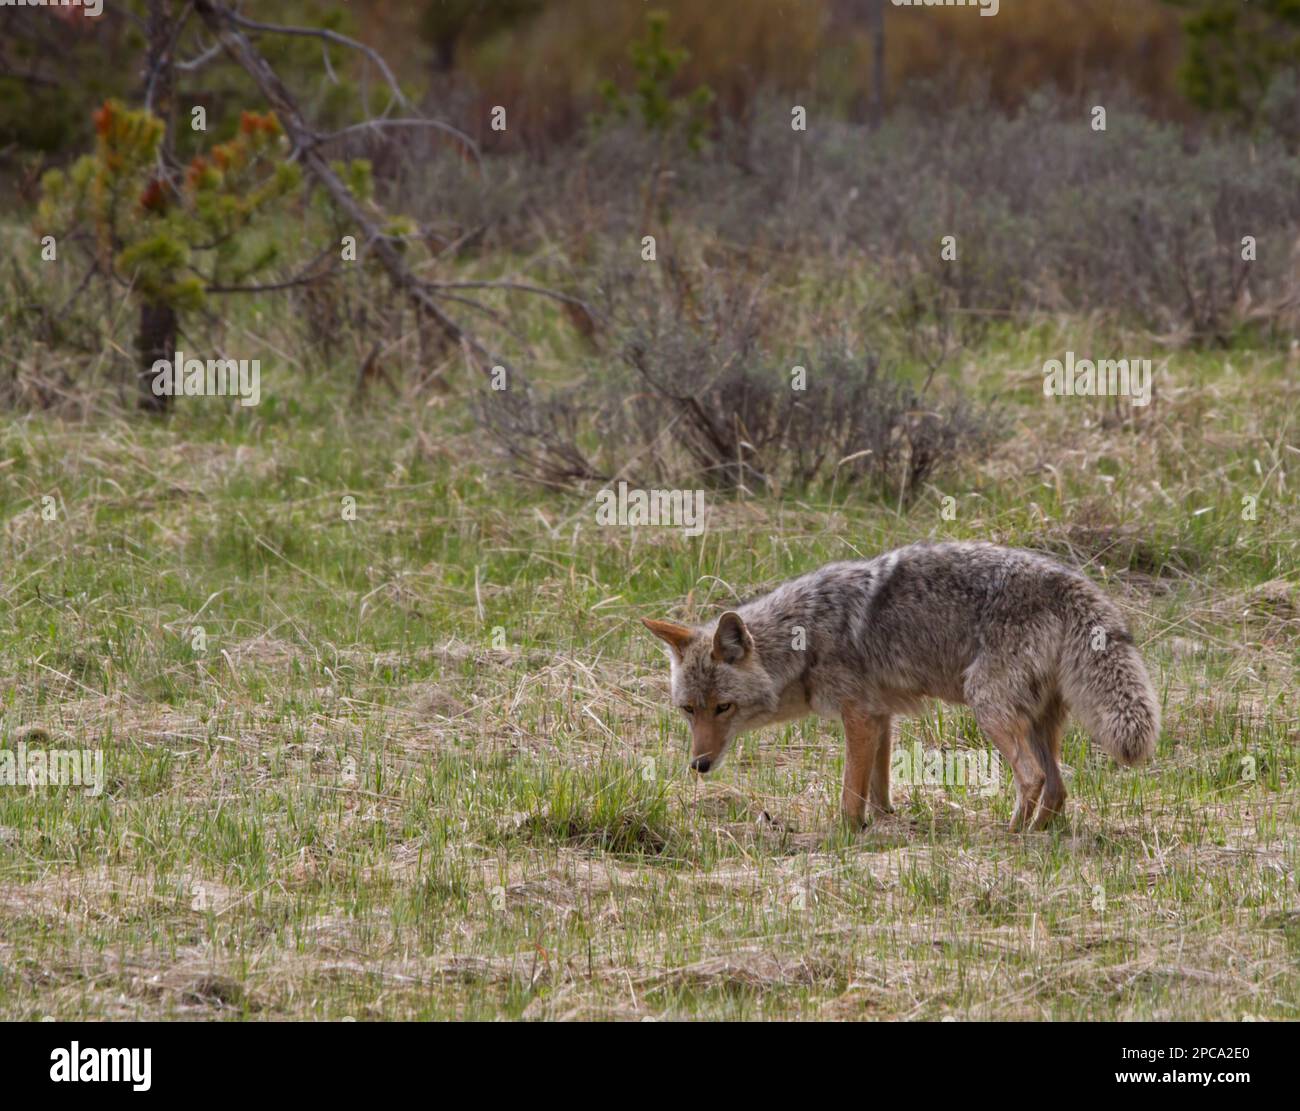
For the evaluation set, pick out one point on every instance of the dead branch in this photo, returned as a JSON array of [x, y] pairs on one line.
[[200, 60], [225, 25], [320, 33], [305, 276]]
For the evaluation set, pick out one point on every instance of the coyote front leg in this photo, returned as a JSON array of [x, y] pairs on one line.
[[878, 790], [866, 738]]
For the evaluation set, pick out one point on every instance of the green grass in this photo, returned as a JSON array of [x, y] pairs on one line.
[[424, 766]]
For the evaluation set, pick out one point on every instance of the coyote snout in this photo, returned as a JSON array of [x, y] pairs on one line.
[[709, 738], [1018, 638]]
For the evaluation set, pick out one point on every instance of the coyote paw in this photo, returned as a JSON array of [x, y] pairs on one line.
[[1044, 819], [1033, 821]]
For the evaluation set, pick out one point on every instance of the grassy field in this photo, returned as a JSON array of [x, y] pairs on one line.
[[420, 764]]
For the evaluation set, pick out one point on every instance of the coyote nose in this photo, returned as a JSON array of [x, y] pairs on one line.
[[702, 763]]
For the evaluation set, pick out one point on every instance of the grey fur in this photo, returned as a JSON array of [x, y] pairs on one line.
[[1016, 636]]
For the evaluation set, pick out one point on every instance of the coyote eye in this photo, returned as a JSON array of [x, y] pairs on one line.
[[723, 707], [689, 709]]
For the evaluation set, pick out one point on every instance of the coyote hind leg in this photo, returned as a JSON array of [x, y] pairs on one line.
[[1045, 740], [1009, 732]]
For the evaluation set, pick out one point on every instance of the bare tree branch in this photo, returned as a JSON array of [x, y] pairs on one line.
[[160, 61], [328, 36], [226, 24], [200, 60], [303, 277]]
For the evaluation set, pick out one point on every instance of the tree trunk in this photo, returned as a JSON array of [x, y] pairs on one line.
[[155, 340], [877, 62], [444, 55]]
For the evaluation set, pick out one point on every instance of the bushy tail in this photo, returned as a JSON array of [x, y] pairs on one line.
[[1104, 679]]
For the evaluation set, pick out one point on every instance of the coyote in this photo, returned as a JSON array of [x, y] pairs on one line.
[[1014, 635]]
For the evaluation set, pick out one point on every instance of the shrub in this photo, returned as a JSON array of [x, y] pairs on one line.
[[701, 398]]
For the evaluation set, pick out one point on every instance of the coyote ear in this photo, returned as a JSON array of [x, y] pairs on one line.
[[732, 642], [677, 637]]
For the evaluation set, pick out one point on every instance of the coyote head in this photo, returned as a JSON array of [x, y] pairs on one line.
[[718, 682]]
